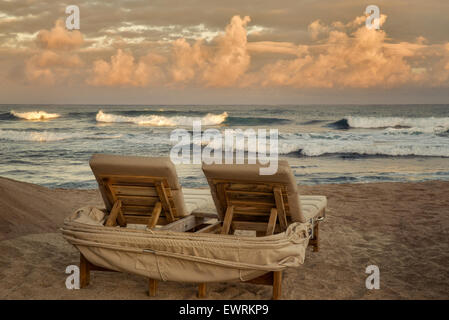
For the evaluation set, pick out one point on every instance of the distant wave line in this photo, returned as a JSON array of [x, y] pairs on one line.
[[35, 115]]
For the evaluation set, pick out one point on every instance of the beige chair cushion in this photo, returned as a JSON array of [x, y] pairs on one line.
[[250, 173], [106, 164], [199, 200], [312, 206]]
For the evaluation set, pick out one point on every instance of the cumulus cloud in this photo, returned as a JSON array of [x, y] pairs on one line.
[[56, 59], [316, 28], [46, 66], [221, 64], [59, 38], [359, 59], [341, 55], [124, 71]]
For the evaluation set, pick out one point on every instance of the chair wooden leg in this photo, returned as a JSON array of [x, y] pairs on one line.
[[152, 287], [202, 290], [84, 272], [316, 231], [277, 285]]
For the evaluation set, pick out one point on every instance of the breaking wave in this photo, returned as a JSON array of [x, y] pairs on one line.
[[161, 121], [314, 145], [404, 125], [35, 115]]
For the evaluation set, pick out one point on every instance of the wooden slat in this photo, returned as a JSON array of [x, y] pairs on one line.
[[255, 203], [112, 220], [211, 215], [272, 222], [135, 180], [148, 191], [227, 220], [135, 219], [259, 193], [110, 193], [155, 215], [165, 203], [221, 197], [262, 211], [280, 208], [183, 225], [256, 226], [137, 210], [210, 228], [121, 218], [138, 200], [248, 186]]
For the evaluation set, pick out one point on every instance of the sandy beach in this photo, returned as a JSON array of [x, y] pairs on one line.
[[401, 227]]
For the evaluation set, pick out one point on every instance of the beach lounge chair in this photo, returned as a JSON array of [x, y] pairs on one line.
[[266, 204], [177, 240], [142, 191], [138, 190]]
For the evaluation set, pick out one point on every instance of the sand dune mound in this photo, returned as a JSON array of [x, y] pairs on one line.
[[27, 208]]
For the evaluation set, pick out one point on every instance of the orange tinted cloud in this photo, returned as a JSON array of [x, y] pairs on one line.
[[56, 59], [221, 64], [124, 71], [341, 55], [359, 59], [59, 38]]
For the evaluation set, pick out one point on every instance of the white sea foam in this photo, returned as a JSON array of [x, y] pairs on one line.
[[42, 136], [35, 115], [318, 144], [47, 136], [162, 121], [369, 144], [429, 125]]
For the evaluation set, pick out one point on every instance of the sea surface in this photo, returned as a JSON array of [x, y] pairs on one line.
[[51, 144]]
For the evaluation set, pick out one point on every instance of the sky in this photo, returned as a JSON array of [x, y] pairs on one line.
[[224, 52]]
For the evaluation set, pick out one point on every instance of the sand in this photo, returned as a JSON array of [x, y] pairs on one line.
[[403, 228]]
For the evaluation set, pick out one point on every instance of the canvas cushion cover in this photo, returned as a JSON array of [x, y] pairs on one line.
[[187, 257]]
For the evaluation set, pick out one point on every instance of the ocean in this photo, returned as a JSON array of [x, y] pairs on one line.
[[50, 145]]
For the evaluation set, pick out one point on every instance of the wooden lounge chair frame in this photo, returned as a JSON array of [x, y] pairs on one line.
[[142, 200], [139, 200], [261, 207]]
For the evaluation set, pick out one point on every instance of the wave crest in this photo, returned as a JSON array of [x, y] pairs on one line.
[[381, 144], [427, 125], [35, 115], [161, 121], [42, 136]]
